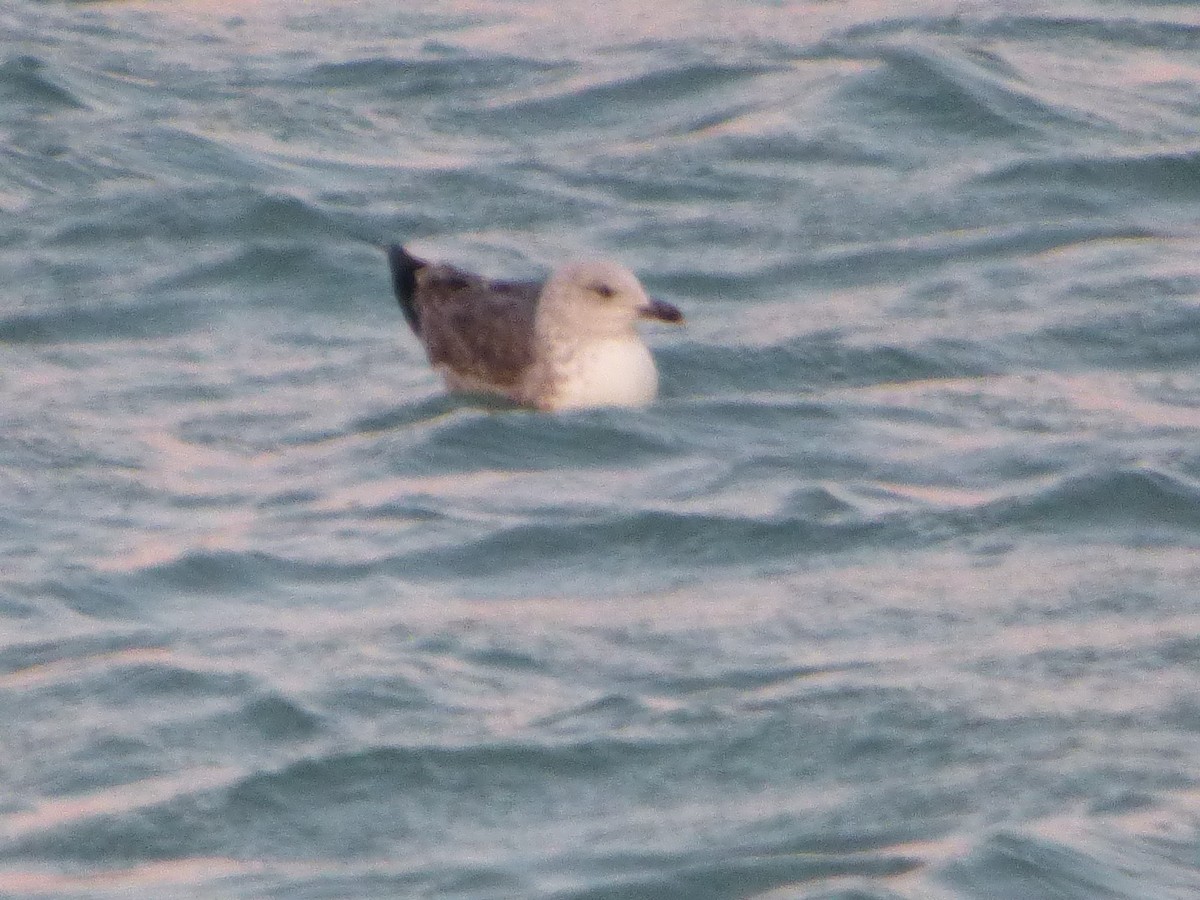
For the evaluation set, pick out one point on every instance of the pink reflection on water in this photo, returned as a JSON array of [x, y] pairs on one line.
[[60, 811], [156, 874], [65, 670]]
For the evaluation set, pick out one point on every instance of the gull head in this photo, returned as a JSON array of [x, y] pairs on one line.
[[598, 299]]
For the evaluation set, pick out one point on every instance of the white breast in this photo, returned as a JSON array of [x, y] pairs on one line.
[[614, 372]]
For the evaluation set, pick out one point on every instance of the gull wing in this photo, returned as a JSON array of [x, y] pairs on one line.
[[480, 330]]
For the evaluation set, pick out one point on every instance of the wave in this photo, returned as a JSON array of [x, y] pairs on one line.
[[588, 548], [872, 262], [29, 81], [217, 211], [236, 571], [221, 811], [808, 364], [1139, 503], [1165, 174], [950, 90], [102, 320], [424, 77], [1137, 338], [1102, 864], [591, 103], [1117, 27], [1120, 29]]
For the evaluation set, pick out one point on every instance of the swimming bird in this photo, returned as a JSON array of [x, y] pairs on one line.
[[566, 343]]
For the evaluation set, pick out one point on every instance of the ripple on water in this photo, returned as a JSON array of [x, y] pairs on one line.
[[890, 594], [29, 81]]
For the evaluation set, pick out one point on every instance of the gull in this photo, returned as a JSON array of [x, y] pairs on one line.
[[566, 343]]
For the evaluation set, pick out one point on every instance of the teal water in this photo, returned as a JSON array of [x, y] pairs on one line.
[[892, 594]]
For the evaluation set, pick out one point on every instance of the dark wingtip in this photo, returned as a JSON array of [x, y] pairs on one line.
[[404, 282]]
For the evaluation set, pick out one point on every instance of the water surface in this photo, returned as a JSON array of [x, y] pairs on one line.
[[890, 595]]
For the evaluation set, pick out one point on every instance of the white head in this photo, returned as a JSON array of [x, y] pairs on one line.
[[597, 299]]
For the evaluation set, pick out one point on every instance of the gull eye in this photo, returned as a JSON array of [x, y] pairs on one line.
[[603, 289]]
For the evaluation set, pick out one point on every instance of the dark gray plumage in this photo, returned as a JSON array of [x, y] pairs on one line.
[[479, 329]]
